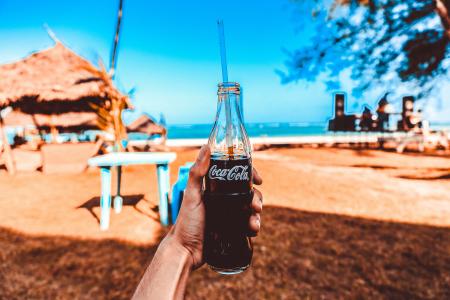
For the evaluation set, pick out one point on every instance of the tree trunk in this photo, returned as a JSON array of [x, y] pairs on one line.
[[7, 153], [443, 10]]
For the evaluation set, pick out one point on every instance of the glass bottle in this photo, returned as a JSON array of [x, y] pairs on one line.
[[228, 187]]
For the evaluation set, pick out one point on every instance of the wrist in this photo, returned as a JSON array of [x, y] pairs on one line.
[[168, 273], [176, 251]]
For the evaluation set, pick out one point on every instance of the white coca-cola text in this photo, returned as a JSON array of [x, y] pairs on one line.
[[235, 173]]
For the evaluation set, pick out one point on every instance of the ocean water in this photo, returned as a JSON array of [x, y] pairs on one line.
[[253, 130], [266, 129], [192, 131]]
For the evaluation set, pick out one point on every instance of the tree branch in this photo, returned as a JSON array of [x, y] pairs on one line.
[[444, 14]]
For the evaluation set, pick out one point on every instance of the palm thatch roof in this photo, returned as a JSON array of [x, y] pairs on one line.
[[146, 124], [54, 81], [65, 122]]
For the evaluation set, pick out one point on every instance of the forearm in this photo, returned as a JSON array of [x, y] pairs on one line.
[[167, 274]]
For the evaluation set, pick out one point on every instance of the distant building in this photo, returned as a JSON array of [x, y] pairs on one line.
[[146, 124]]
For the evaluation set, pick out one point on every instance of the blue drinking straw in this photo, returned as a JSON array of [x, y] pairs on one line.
[[223, 59], [223, 52]]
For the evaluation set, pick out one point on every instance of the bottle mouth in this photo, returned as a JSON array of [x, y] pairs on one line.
[[229, 88]]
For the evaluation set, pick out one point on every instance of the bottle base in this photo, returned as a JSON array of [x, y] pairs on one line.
[[231, 271]]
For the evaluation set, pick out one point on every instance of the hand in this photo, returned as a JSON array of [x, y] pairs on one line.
[[188, 232], [182, 249]]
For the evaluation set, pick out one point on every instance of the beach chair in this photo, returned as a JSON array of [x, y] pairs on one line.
[[424, 138], [178, 190]]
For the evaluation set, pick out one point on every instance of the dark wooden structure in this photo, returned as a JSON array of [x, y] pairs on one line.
[[341, 121], [405, 123]]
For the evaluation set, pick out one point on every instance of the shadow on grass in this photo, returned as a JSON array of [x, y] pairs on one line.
[[298, 255], [363, 152], [376, 167], [130, 200], [438, 177], [55, 267], [302, 255]]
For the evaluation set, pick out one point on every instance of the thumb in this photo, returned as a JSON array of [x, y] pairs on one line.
[[199, 169]]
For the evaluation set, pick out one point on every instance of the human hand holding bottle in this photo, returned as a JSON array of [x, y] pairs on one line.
[[182, 249], [189, 230]]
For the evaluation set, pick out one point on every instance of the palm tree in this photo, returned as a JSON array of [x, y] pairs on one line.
[[110, 114]]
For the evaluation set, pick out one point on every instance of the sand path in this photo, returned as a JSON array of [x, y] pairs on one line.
[[371, 184]]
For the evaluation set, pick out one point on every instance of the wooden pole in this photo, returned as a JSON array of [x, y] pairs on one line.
[[112, 67], [53, 130], [7, 153], [116, 114]]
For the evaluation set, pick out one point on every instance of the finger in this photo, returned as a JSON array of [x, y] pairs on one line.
[[254, 224], [257, 202], [199, 169], [256, 177]]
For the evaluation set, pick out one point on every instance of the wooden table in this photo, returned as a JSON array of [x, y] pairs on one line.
[[119, 159]]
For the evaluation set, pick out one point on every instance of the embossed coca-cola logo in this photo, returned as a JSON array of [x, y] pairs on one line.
[[235, 173]]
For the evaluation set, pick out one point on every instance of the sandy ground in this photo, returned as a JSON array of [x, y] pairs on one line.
[[337, 223], [370, 184]]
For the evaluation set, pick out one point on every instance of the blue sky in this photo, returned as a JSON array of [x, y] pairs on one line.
[[169, 52]]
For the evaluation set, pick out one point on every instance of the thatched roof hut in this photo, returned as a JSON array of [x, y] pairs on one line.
[[146, 124], [65, 122], [53, 82]]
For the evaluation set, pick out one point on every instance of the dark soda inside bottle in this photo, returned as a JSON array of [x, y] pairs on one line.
[[228, 196]]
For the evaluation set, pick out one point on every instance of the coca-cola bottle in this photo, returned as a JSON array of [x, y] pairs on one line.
[[228, 187]]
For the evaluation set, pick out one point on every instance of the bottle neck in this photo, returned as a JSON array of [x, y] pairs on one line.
[[228, 108], [228, 136]]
